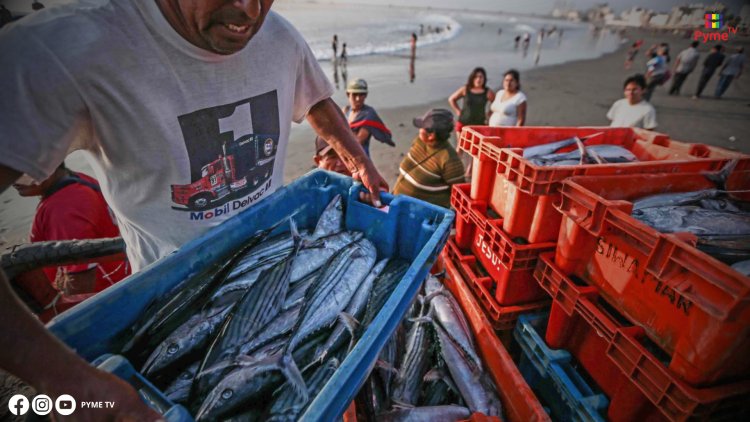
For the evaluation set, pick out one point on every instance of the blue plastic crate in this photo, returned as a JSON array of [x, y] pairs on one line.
[[551, 375], [411, 229]]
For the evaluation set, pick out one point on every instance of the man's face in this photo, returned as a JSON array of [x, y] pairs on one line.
[[633, 93], [221, 26]]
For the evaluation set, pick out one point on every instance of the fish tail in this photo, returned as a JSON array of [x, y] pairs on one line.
[[291, 372]]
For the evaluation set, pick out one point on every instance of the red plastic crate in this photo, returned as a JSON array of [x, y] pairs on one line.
[[524, 194], [519, 402], [509, 264], [617, 357], [696, 308], [503, 317]]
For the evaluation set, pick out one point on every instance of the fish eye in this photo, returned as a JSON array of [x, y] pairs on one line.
[[227, 394], [172, 349]]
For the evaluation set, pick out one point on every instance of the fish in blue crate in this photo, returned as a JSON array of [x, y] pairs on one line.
[[258, 336], [430, 369]]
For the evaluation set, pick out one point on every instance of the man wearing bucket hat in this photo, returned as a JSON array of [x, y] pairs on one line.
[[432, 165], [363, 119]]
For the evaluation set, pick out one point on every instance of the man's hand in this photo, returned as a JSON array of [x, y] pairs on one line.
[[329, 122], [373, 182]]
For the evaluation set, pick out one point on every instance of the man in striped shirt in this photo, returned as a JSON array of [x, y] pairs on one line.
[[432, 165]]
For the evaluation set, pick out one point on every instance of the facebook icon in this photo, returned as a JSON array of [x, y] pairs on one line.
[[18, 405]]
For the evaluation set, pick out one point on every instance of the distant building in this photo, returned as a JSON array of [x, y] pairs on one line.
[[658, 20]]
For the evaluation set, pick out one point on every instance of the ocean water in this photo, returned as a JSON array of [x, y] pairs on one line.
[[378, 46]]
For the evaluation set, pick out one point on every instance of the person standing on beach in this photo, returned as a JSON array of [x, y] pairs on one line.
[[526, 41], [731, 70], [509, 106], [516, 40], [686, 62], [335, 45], [432, 166], [343, 54], [185, 99], [710, 64], [413, 44], [476, 95], [363, 119], [633, 110], [657, 72]]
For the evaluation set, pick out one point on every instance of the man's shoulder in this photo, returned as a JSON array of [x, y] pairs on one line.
[[71, 27]]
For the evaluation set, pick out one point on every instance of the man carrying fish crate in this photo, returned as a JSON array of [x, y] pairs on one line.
[[184, 111]]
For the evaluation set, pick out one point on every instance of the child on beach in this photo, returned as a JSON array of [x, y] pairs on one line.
[[363, 119], [633, 110]]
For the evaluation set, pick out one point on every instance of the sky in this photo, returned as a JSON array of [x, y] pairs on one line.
[[542, 6]]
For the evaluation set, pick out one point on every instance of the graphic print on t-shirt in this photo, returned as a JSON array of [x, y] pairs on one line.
[[232, 150]]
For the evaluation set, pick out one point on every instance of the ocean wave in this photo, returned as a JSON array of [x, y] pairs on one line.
[[395, 38]]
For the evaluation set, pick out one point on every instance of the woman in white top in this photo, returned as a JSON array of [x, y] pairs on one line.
[[509, 107]]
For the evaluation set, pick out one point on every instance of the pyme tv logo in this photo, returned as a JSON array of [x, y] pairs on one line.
[[713, 20]]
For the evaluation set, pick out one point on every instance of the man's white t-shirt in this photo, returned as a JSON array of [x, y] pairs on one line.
[[180, 138], [688, 59], [623, 114], [505, 113]]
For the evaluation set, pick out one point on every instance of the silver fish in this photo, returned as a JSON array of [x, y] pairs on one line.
[[280, 326], [446, 310], [179, 390], [297, 292], [331, 220], [674, 199], [474, 387], [552, 147], [314, 255], [349, 318], [440, 388], [414, 365], [326, 298], [719, 204], [609, 153], [254, 375], [260, 304], [693, 219], [287, 406], [450, 413], [193, 335]]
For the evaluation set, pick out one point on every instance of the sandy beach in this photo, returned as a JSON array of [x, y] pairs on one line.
[[577, 93]]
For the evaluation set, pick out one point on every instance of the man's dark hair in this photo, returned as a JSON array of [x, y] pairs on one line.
[[637, 79], [694, 44], [718, 47]]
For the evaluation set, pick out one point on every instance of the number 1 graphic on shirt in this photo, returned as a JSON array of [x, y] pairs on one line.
[[240, 123]]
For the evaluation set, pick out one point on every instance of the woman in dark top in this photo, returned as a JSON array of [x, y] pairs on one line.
[[476, 96]]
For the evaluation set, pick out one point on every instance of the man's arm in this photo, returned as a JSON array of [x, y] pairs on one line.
[[329, 122], [40, 359]]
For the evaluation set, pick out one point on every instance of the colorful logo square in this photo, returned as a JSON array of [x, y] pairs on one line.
[[713, 20]]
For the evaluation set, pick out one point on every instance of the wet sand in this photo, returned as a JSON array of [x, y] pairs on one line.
[[571, 94]]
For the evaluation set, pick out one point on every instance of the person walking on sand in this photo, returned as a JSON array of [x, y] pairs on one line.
[[509, 106], [413, 44], [656, 71], [710, 64], [526, 41], [516, 40], [335, 45], [432, 166], [686, 62], [633, 110], [731, 70]]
